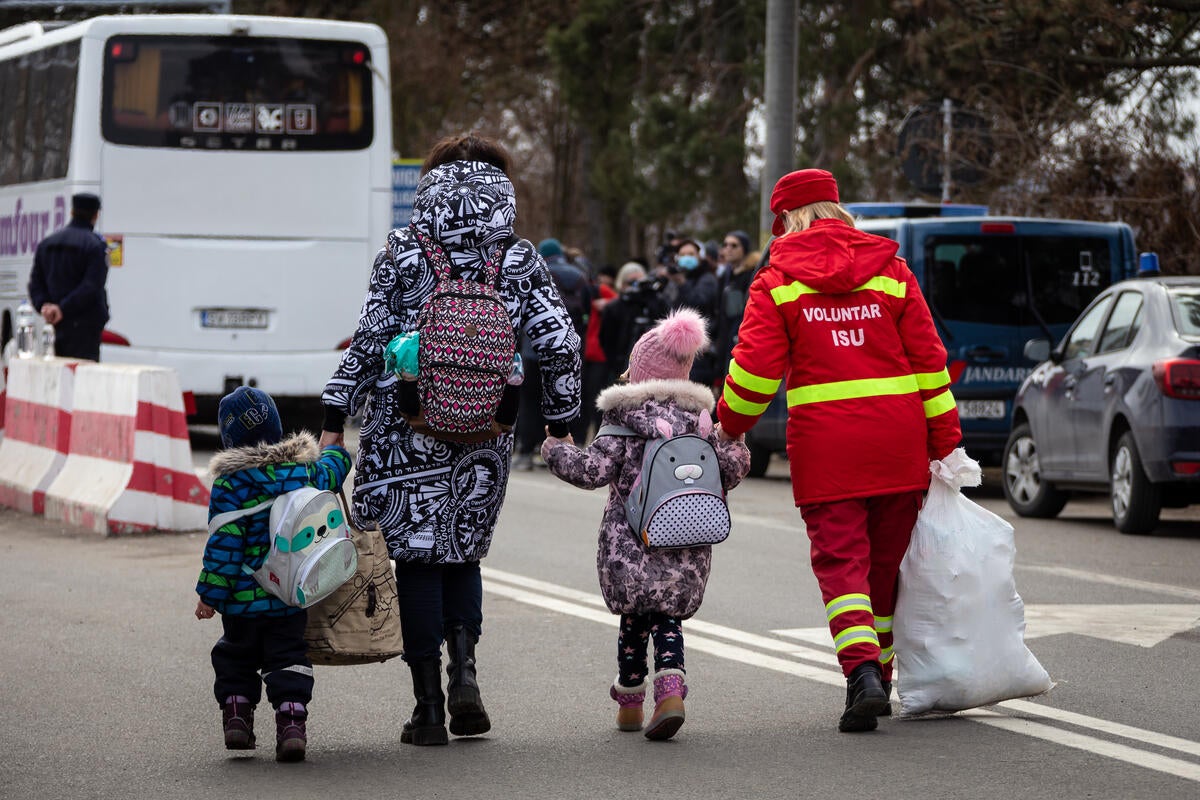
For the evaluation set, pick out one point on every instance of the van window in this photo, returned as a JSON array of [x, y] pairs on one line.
[[1014, 280]]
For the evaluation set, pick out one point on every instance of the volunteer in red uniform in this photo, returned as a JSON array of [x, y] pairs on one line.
[[841, 317]]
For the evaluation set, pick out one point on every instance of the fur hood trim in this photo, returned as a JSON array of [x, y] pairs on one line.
[[688, 395], [299, 448]]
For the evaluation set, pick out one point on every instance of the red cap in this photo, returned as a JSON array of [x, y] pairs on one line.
[[798, 189]]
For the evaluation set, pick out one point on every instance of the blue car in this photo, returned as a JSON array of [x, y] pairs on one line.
[[1114, 408]]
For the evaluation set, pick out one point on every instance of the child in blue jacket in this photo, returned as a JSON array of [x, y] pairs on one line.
[[261, 633]]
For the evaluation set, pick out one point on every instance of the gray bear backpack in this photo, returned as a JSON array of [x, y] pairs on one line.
[[678, 499]]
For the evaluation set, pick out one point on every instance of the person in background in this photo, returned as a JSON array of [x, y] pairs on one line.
[[734, 291], [596, 373], [636, 308], [869, 406], [437, 501], [263, 637], [66, 285], [698, 289], [654, 590]]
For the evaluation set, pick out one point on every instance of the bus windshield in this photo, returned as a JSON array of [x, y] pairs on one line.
[[1004, 279], [244, 93]]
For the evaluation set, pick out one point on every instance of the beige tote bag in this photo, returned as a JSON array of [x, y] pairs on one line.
[[360, 622]]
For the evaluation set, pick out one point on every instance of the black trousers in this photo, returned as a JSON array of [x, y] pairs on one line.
[[433, 599], [272, 646], [77, 341]]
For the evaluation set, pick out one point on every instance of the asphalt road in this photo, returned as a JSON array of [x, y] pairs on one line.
[[107, 684]]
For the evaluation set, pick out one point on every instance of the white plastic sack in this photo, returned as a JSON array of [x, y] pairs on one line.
[[959, 622]]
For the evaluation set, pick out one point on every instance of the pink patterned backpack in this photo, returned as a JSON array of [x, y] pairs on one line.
[[466, 350]]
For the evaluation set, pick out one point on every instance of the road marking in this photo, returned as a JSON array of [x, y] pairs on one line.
[[1142, 625], [704, 637], [1113, 580]]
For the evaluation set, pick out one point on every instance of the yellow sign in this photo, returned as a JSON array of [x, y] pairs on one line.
[[116, 249]]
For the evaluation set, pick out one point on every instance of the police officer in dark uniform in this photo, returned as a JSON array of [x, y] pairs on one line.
[[67, 282]]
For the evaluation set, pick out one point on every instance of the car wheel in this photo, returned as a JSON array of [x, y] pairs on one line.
[[760, 459], [1136, 502], [1026, 492]]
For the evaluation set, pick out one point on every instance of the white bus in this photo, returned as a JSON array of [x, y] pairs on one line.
[[244, 170]]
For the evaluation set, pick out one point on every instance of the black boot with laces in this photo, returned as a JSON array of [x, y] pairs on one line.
[[865, 699]]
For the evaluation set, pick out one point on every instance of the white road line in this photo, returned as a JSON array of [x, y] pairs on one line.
[[1113, 580], [588, 606]]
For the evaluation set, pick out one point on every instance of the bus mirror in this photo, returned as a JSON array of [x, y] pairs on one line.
[[1037, 350]]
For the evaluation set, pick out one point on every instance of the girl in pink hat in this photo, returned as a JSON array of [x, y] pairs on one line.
[[653, 590]]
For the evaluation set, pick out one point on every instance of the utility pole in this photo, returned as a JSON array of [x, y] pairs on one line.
[[780, 95]]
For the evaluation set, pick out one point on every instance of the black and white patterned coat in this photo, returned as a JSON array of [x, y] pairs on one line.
[[437, 501]]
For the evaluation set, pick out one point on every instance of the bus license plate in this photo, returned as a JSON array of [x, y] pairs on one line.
[[981, 409], [233, 318]]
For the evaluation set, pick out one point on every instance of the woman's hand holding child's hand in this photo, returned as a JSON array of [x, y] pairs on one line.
[[725, 437], [552, 439], [204, 610]]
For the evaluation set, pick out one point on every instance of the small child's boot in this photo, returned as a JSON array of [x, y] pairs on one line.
[[237, 718], [669, 692], [291, 739], [630, 700]]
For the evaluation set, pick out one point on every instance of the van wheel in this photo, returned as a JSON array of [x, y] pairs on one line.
[[1136, 502], [760, 459], [1026, 492]]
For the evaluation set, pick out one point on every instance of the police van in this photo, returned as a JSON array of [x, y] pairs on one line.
[[992, 283]]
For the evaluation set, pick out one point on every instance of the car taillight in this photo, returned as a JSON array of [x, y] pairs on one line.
[[1178, 377], [112, 337], [1185, 467], [997, 227]]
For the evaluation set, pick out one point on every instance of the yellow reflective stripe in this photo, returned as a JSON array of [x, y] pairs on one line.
[[850, 390], [933, 380], [751, 381], [795, 290], [856, 634], [790, 292], [886, 655], [740, 406], [847, 602], [883, 624], [886, 285], [939, 404]]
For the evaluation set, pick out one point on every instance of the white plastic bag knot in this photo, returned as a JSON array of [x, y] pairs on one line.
[[957, 470]]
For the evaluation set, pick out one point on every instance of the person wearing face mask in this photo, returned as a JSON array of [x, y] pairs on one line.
[[697, 288]]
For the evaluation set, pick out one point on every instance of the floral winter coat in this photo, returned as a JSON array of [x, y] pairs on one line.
[[633, 578], [437, 501]]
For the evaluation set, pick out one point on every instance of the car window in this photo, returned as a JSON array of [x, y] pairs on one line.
[[1123, 324], [1185, 303], [1081, 340]]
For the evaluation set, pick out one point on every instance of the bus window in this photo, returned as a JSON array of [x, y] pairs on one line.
[[36, 133], [237, 94]]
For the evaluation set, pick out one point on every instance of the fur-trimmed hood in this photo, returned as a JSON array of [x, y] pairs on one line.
[[299, 448], [688, 395]]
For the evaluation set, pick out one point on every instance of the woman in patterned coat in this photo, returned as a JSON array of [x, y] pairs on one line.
[[436, 501]]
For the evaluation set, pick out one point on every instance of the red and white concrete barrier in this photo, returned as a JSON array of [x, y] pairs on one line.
[[37, 423], [129, 467]]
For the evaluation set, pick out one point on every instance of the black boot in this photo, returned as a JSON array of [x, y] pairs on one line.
[[865, 699], [887, 690], [427, 725], [467, 715]]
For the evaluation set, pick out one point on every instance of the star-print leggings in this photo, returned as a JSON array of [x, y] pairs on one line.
[[636, 630]]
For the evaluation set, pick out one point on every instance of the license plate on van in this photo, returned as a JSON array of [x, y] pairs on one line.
[[243, 318], [981, 409]]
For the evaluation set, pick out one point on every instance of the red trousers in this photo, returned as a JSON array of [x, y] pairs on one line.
[[857, 546]]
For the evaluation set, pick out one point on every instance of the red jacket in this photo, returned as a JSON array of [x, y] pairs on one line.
[[841, 317]]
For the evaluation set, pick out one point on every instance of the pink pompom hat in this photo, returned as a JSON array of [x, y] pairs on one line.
[[666, 351]]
